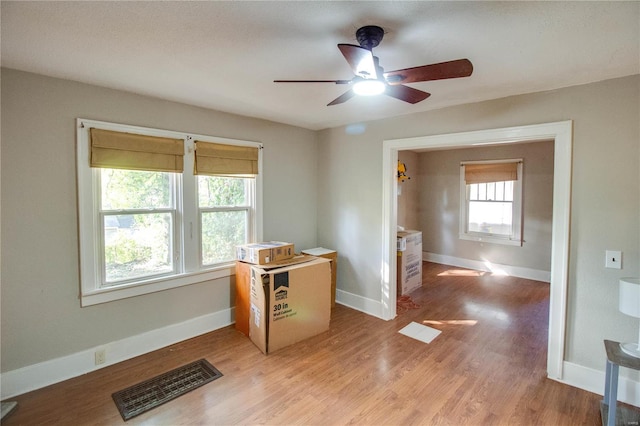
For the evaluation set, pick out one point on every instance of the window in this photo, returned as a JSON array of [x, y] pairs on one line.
[[161, 209], [137, 214], [490, 200]]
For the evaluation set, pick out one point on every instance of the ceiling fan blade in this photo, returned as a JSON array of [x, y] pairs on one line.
[[360, 60], [313, 81], [406, 93], [342, 98], [440, 71]]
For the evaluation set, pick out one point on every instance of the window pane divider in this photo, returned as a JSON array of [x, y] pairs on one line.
[[491, 201], [225, 209], [137, 211]]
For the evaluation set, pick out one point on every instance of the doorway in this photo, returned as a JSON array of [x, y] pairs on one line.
[[561, 133]]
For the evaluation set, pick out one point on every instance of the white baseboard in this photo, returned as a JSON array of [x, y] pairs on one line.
[[359, 303], [43, 374], [514, 271], [36, 376], [375, 308], [593, 381]]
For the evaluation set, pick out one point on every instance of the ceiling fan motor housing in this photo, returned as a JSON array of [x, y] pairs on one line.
[[369, 36]]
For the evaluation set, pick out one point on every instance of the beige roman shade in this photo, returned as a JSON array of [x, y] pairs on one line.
[[225, 160], [119, 150], [490, 172]]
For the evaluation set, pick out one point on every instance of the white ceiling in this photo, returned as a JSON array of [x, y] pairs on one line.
[[225, 55]]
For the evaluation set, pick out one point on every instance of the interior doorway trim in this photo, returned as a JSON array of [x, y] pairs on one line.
[[562, 135]]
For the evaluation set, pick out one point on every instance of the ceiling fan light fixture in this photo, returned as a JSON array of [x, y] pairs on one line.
[[369, 87]]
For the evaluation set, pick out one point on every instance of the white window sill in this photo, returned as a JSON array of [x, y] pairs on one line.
[[490, 239], [109, 294]]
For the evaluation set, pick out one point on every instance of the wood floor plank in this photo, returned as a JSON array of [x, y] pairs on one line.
[[487, 367]]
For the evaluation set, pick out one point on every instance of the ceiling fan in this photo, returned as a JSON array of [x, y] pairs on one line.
[[370, 78]]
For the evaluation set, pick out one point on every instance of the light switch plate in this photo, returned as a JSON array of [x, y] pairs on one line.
[[613, 259]]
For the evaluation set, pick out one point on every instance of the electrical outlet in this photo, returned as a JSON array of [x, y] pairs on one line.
[[613, 259], [101, 356]]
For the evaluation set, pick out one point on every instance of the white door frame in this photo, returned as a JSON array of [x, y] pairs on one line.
[[562, 134]]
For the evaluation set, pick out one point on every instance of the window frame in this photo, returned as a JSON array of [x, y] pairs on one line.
[[187, 232], [515, 238]]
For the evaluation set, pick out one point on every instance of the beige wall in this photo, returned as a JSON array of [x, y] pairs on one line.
[[439, 205], [409, 192], [41, 314], [605, 196]]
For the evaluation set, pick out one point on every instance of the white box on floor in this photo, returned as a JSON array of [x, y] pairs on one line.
[[409, 261]]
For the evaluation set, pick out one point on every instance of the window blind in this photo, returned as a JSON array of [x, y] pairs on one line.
[[225, 160], [119, 150], [490, 172]]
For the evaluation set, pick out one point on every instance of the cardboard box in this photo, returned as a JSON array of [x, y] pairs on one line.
[[243, 290], [409, 262], [243, 280], [264, 253], [332, 255], [289, 304]]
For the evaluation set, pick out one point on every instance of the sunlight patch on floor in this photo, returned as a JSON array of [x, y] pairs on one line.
[[486, 311], [495, 270], [450, 322], [461, 273]]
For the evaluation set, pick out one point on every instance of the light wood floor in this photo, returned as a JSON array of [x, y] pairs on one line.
[[487, 367]]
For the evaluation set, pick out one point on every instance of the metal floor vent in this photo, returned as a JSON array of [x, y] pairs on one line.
[[156, 391]]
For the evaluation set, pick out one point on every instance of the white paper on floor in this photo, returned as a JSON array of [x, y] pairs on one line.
[[420, 332]]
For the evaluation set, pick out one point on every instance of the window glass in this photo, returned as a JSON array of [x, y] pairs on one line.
[[137, 245], [130, 189], [217, 191], [137, 238], [224, 215], [490, 211], [222, 231]]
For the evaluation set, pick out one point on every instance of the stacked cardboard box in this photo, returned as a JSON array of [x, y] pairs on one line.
[[243, 287], [332, 255], [264, 253], [409, 261], [283, 300], [268, 252]]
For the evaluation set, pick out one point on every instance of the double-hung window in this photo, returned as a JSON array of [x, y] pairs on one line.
[[225, 193], [161, 209], [137, 219], [491, 200]]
